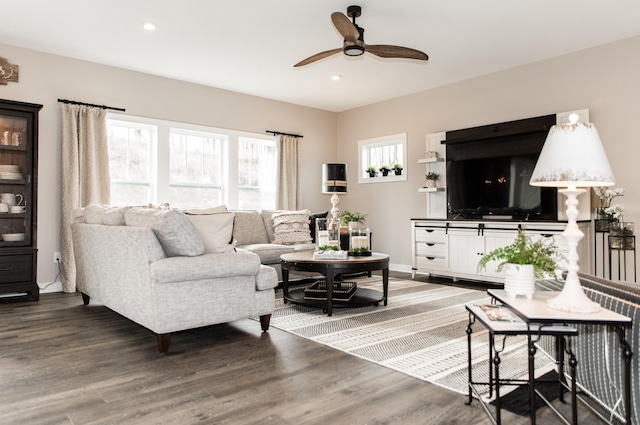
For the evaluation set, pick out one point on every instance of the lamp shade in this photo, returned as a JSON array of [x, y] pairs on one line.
[[572, 155], [334, 178]]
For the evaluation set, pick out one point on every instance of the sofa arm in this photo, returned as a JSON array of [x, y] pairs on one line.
[[207, 266], [267, 278]]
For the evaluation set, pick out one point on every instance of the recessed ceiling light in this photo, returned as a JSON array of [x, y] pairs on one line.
[[336, 77], [149, 26]]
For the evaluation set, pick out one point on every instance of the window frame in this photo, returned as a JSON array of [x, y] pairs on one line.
[[365, 145], [160, 154]]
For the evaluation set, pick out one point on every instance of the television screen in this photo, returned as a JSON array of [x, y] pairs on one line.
[[496, 187]]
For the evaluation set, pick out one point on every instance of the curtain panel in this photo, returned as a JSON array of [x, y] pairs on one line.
[[84, 177], [288, 191]]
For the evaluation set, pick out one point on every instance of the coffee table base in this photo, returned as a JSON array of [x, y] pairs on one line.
[[363, 297]]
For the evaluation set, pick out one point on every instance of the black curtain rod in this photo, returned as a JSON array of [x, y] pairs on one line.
[[73, 102], [278, 133]]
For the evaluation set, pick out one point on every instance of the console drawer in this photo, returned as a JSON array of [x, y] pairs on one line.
[[438, 249], [16, 268], [427, 263], [430, 235]]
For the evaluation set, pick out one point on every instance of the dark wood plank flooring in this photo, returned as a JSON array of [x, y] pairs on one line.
[[65, 363]]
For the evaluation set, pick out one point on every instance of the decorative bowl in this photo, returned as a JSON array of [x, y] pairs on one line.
[[13, 237]]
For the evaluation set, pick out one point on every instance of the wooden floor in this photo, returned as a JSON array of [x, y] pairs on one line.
[[65, 363]]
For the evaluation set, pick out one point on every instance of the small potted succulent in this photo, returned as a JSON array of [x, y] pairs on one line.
[[431, 179], [385, 170], [352, 219], [523, 262], [397, 168], [372, 171]]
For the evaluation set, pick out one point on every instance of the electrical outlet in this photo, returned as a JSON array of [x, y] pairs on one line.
[[56, 257]]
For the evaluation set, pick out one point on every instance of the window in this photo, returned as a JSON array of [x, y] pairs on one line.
[[381, 151], [188, 166], [130, 147]]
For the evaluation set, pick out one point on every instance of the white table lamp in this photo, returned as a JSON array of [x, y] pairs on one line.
[[572, 157]]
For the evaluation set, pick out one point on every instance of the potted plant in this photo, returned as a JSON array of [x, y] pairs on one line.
[[372, 171], [352, 219], [385, 169], [431, 179], [397, 168], [523, 261]]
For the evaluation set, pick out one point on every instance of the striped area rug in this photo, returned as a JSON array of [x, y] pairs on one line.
[[421, 332]]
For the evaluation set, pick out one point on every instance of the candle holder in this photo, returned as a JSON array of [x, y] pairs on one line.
[[327, 234], [359, 242]]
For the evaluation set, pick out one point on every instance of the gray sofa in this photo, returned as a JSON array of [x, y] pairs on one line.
[[599, 352], [253, 231], [156, 268]]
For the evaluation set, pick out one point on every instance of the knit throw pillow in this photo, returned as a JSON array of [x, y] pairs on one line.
[[291, 227]]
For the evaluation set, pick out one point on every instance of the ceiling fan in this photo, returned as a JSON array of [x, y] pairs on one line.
[[354, 44]]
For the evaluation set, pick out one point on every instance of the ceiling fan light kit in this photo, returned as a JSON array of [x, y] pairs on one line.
[[354, 44]]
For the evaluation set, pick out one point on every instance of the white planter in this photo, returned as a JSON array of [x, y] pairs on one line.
[[519, 279], [431, 183]]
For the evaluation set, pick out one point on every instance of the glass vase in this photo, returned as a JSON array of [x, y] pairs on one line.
[[603, 221], [621, 235]]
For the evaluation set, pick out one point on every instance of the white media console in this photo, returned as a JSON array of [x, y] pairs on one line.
[[453, 247]]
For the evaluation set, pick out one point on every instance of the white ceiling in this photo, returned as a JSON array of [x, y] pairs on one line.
[[250, 46]]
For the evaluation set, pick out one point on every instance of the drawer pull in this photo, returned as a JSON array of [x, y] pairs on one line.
[[429, 243], [546, 235], [8, 269], [430, 258], [429, 230]]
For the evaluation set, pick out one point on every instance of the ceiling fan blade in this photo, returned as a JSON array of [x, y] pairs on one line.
[[317, 57], [387, 51], [344, 26]]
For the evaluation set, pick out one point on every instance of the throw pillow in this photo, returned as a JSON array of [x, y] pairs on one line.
[[291, 227], [102, 214], [312, 223], [215, 230], [176, 233], [211, 210]]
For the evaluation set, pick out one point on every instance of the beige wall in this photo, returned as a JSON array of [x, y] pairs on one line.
[[603, 79], [45, 78]]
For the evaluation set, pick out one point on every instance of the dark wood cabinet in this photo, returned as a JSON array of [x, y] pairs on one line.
[[18, 197]]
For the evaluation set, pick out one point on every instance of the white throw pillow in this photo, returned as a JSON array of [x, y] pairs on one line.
[[291, 227], [216, 230]]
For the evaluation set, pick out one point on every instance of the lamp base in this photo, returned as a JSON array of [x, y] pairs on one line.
[[572, 298], [573, 303]]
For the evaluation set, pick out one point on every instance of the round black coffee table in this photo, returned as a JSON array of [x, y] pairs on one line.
[[330, 268]]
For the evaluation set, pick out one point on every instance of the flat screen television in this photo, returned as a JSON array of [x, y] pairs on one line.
[[489, 179]]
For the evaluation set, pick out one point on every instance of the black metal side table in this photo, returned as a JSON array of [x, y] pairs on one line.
[[621, 245]]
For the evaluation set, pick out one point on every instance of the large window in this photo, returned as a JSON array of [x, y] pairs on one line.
[[188, 166]]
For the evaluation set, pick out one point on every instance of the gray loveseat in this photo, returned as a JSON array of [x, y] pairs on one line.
[[153, 267]]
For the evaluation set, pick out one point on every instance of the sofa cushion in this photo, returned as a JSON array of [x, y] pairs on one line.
[[269, 253], [267, 218], [215, 226], [176, 233], [102, 214], [210, 210], [291, 227], [204, 267], [248, 228]]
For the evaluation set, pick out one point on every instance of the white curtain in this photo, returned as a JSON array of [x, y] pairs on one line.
[[85, 174], [288, 192]]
